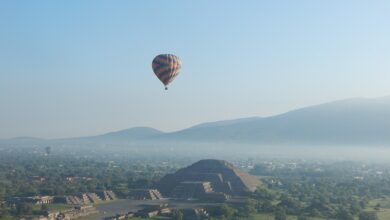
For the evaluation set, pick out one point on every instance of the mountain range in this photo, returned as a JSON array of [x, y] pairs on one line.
[[358, 121]]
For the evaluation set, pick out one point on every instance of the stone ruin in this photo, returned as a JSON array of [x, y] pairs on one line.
[[145, 194], [208, 179], [86, 198]]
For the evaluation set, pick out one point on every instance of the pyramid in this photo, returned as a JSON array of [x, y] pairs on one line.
[[222, 175]]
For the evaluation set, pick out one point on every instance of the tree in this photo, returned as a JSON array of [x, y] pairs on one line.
[[2, 192], [368, 216], [177, 215], [249, 208], [280, 214], [377, 206], [227, 211], [355, 208], [363, 203], [44, 208], [315, 213], [263, 194], [266, 206], [292, 206], [24, 209], [302, 217], [344, 214]]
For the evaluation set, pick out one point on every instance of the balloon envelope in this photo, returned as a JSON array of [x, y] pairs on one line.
[[166, 67]]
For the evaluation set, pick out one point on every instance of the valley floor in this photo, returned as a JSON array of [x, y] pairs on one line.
[[125, 205]]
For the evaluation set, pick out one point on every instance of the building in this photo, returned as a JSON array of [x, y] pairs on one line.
[[106, 195], [145, 194], [93, 197], [77, 212], [154, 210], [38, 179], [86, 198], [37, 200], [198, 190]]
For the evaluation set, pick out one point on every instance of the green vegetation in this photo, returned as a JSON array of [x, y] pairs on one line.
[[17, 175], [57, 207], [156, 218], [291, 190], [324, 190], [23, 175], [177, 215]]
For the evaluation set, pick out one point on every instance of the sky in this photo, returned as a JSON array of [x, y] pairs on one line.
[[75, 68]]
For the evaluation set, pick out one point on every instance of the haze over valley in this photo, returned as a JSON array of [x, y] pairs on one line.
[[326, 130]]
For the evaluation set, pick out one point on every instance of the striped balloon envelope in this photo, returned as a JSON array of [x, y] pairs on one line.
[[166, 67]]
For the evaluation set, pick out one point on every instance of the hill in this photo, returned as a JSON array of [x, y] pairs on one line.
[[136, 133], [356, 121], [352, 121], [127, 135]]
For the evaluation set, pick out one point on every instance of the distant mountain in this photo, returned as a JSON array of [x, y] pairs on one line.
[[223, 123], [131, 133], [352, 121], [127, 135], [356, 121], [22, 141]]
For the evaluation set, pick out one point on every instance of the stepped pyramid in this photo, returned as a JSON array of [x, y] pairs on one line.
[[106, 195], [189, 189], [84, 198], [111, 194], [222, 176], [93, 197]]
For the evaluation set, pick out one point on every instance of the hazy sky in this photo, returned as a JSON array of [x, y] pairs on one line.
[[74, 68]]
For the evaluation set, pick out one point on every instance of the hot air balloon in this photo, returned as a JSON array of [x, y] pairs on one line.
[[166, 67]]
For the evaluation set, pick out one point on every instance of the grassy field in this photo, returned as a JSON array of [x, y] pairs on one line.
[[267, 216], [157, 218], [384, 210], [58, 207], [261, 217], [9, 218], [105, 201], [52, 207]]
